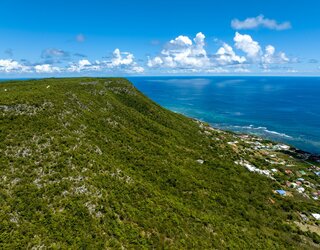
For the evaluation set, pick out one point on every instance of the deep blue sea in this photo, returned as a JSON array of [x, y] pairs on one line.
[[284, 109]]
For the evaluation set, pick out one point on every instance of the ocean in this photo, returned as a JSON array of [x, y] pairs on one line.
[[283, 109]]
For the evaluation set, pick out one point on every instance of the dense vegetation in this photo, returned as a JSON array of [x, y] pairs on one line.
[[94, 164]]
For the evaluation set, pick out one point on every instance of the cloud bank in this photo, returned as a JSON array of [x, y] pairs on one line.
[[121, 62], [180, 55], [184, 54]]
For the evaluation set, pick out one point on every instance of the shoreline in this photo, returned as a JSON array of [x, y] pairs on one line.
[[219, 101], [265, 129], [298, 153]]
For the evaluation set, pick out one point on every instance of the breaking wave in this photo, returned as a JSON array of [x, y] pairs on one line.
[[259, 130]]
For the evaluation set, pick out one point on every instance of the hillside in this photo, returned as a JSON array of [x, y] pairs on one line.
[[92, 163]]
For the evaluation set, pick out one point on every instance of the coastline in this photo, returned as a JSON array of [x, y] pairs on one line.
[[299, 153], [295, 171], [279, 109]]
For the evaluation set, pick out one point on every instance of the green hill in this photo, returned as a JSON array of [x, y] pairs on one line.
[[91, 163]]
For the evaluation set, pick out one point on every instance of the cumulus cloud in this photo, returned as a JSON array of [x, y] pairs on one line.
[[154, 62], [271, 57], [255, 53], [46, 68], [185, 55], [9, 66], [120, 62], [182, 53], [181, 41], [226, 56], [137, 69], [247, 45], [124, 61], [83, 65], [121, 59], [259, 21]]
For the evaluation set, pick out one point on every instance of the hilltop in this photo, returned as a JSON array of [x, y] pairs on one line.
[[93, 163]]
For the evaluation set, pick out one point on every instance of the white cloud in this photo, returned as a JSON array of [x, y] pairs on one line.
[[46, 68], [124, 58], [154, 62], [9, 66], [179, 55], [259, 21], [247, 45], [226, 56], [123, 61], [283, 57], [254, 52], [198, 49], [181, 41], [83, 65], [185, 55], [182, 53], [137, 69], [270, 57]]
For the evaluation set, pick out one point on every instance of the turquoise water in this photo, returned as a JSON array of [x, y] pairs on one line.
[[284, 109]]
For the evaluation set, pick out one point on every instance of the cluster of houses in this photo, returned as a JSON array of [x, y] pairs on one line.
[[254, 169], [301, 182], [292, 174], [304, 187], [293, 169]]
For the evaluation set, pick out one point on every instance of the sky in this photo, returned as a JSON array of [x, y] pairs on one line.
[[159, 37]]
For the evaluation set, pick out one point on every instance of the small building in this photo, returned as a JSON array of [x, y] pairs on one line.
[[288, 172], [317, 173], [316, 216], [302, 172], [315, 195], [304, 217], [281, 192], [200, 161]]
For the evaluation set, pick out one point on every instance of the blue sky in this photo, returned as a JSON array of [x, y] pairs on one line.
[[204, 37]]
